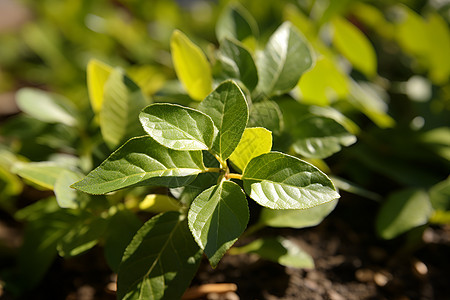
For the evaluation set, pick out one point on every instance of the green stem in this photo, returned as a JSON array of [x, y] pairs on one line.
[[213, 170], [234, 176]]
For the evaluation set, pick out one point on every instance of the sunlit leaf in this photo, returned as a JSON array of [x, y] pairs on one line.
[[296, 218], [279, 250], [178, 127], [97, 75], [191, 65], [217, 217], [66, 196], [402, 211], [254, 142], [286, 57], [439, 48], [153, 267], [227, 107], [279, 181], [142, 161], [159, 203], [122, 102], [44, 174]]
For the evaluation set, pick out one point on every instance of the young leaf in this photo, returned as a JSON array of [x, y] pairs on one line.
[[296, 218], [97, 75], [191, 66], [217, 217], [238, 63], [254, 142], [355, 46], [227, 107], [142, 161], [237, 23], [402, 211], [279, 181], [122, 103], [160, 261], [266, 114], [286, 57], [319, 137], [44, 174], [178, 127], [278, 250], [46, 107]]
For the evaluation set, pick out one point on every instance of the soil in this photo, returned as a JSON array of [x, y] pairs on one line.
[[350, 263]]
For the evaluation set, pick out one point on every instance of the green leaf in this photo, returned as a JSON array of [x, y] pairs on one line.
[[279, 250], [238, 63], [403, 211], [122, 226], [323, 84], [227, 107], [319, 137], [97, 75], [82, 236], [44, 174], [67, 197], [178, 127], [217, 217], [254, 142], [142, 161], [191, 66], [439, 48], [266, 114], [296, 218], [160, 261], [188, 193], [237, 23], [354, 46], [440, 195], [46, 107], [122, 102], [286, 57], [279, 181]]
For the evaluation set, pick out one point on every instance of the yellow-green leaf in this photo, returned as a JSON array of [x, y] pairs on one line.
[[191, 66], [439, 49], [97, 75], [254, 142], [159, 203], [354, 46]]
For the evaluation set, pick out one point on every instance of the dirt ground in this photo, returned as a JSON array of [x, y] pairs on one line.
[[351, 263]]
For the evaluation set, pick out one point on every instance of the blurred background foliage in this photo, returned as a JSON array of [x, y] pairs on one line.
[[383, 67]]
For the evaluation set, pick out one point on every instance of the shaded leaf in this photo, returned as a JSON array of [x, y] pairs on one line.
[[217, 217], [191, 66], [142, 161], [238, 63], [44, 174], [403, 211], [296, 218], [254, 142], [279, 181], [122, 102], [153, 267], [178, 127], [266, 114], [66, 196], [279, 250], [97, 75], [159, 203], [236, 22], [286, 57], [227, 107]]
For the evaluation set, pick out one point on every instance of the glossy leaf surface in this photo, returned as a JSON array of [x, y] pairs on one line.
[[238, 63], [217, 217], [160, 261], [122, 102], [191, 66], [254, 142], [178, 127], [279, 181], [286, 57], [142, 161], [227, 107]]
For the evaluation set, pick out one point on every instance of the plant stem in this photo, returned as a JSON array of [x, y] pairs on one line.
[[213, 170], [234, 176]]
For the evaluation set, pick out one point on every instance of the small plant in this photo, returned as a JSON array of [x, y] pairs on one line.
[[180, 148]]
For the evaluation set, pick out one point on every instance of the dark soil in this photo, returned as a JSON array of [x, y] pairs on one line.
[[351, 263]]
